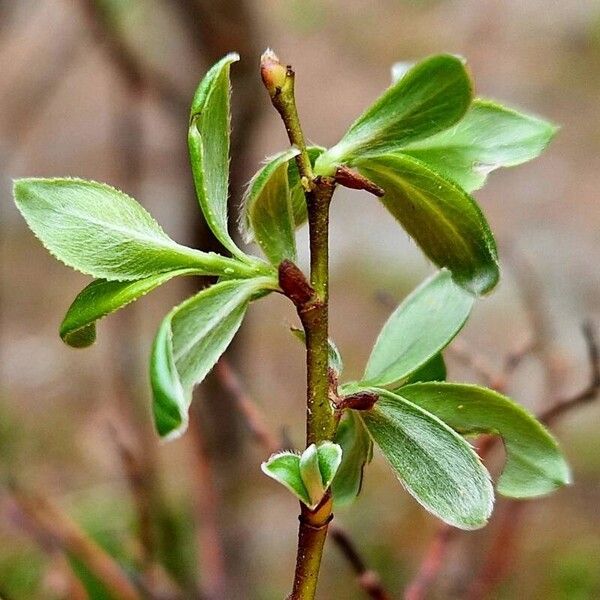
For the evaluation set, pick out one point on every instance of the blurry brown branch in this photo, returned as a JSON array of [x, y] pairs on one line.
[[232, 384], [128, 64], [367, 579], [50, 525], [210, 542], [500, 553], [140, 487]]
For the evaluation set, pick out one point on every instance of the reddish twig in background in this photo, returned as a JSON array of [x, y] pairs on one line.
[[368, 580], [499, 556], [51, 526], [431, 563], [232, 384], [210, 542]]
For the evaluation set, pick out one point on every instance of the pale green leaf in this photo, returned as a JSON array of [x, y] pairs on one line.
[[311, 475], [330, 458], [443, 219], [284, 467], [102, 232], [101, 298], [357, 451], [335, 358], [488, 137], [267, 216], [534, 463], [431, 97], [423, 325], [189, 342], [208, 143], [436, 465]]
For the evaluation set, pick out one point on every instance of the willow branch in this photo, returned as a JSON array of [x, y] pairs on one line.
[[367, 579]]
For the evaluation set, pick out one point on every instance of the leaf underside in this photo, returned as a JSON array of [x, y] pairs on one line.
[[445, 221], [436, 466], [534, 464]]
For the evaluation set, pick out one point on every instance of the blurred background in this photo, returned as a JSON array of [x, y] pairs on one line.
[[100, 89]]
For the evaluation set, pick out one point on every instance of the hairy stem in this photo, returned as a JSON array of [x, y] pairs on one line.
[[313, 313]]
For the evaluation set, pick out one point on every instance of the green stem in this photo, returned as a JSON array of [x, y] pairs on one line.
[[320, 422]]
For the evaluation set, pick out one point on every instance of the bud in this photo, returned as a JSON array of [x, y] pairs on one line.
[[273, 73], [351, 179], [363, 400], [293, 283]]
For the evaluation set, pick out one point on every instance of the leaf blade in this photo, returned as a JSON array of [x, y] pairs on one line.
[[208, 144], [436, 466], [534, 463], [101, 298], [489, 136], [432, 96], [267, 215], [100, 231], [189, 342], [445, 221], [357, 452], [423, 324]]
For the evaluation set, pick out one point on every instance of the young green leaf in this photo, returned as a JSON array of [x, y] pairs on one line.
[[534, 463], [437, 466], [311, 475], [335, 358], [423, 325], [208, 143], [267, 216], [298, 198], [431, 97], [101, 298], [329, 455], [488, 137], [357, 451], [307, 476], [189, 342], [102, 232], [444, 220], [284, 467]]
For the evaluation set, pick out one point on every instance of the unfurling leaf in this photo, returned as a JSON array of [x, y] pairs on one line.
[[489, 136], [431, 97], [102, 232], [208, 142], [534, 463], [189, 342], [267, 216], [101, 298], [423, 325], [309, 475], [436, 465], [335, 358], [444, 220], [357, 451]]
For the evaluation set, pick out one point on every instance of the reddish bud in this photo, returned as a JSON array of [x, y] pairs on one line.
[[351, 179], [273, 73], [293, 283], [359, 401]]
